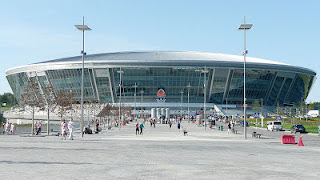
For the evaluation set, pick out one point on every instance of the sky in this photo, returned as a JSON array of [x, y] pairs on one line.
[[285, 31]]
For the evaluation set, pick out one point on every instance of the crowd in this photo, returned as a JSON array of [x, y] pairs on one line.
[[8, 128]]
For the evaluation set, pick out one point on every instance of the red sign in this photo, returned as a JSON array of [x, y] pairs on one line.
[[241, 106]]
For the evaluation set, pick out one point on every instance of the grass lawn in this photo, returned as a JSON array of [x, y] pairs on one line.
[[5, 108], [311, 125]]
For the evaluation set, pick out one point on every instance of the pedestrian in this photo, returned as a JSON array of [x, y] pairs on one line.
[[154, 123], [71, 128], [170, 123], [229, 127], [63, 130], [35, 128], [151, 122], [178, 125], [137, 128], [141, 127], [7, 127], [12, 129], [39, 127], [3, 128]]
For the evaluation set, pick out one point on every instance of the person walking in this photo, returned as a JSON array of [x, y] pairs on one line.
[[170, 123], [63, 130], [71, 128], [36, 132], [181, 128], [137, 128], [229, 127], [39, 127], [141, 128], [12, 129], [7, 127], [3, 128]]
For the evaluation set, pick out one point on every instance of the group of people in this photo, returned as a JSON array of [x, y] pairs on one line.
[[37, 128], [8, 128], [139, 127], [64, 127], [153, 123]]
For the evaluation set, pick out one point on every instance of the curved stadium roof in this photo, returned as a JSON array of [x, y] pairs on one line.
[[166, 58]]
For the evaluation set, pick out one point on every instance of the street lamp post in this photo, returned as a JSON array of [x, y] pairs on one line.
[[189, 86], [181, 102], [120, 88], [244, 27], [82, 28], [141, 95], [135, 100], [205, 71]]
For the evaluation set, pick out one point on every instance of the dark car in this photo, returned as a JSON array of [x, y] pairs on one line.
[[298, 128], [242, 123]]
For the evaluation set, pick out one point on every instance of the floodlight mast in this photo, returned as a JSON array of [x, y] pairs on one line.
[[244, 27], [82, 28]]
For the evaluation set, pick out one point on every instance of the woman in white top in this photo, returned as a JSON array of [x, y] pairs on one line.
[[71, 128], [13, 128]]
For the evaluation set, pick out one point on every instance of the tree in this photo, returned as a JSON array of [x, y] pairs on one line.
[[9, 99], [256, 106], [49, 96], [63, 102], [32, 97]]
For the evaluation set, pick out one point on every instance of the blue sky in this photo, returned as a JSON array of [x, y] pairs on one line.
[[284, 31]]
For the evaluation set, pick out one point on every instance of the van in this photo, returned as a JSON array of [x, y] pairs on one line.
[[274, 125]]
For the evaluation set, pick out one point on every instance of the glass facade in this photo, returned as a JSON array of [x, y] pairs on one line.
[[222, 84]]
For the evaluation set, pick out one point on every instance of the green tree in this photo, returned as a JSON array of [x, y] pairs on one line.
[[256, 106], [9, 99]]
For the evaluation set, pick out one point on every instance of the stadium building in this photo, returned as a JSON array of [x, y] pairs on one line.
[[160, 79]]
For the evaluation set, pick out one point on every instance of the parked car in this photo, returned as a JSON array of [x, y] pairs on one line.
[[237, 123], [298, 128], [242, 123], [274, 126]]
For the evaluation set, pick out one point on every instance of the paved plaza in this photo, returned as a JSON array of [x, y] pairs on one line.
[[160, 153]]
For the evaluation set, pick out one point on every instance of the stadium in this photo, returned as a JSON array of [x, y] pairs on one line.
[[168, 79]]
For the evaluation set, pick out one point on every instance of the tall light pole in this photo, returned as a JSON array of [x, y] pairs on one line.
[[181, 102], [189, 86], [82, 28], [141, 95], [205, 71], [135, 100], [244, 27], [142, 102], [120, 88]]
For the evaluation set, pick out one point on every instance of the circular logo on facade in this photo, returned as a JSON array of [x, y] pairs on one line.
[[161, 96]]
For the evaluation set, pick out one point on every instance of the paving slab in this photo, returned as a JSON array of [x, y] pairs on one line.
[[160, 153]]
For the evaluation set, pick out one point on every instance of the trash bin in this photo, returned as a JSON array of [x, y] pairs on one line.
[[221, 128]]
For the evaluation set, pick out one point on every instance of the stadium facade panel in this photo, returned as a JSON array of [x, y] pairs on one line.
[[274, 82]]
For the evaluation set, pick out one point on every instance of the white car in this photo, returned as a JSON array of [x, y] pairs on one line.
[[274, 125]]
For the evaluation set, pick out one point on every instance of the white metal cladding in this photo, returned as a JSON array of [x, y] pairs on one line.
[[160, 59]]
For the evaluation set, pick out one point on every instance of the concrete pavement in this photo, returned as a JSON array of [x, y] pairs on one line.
[[161, 153]]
